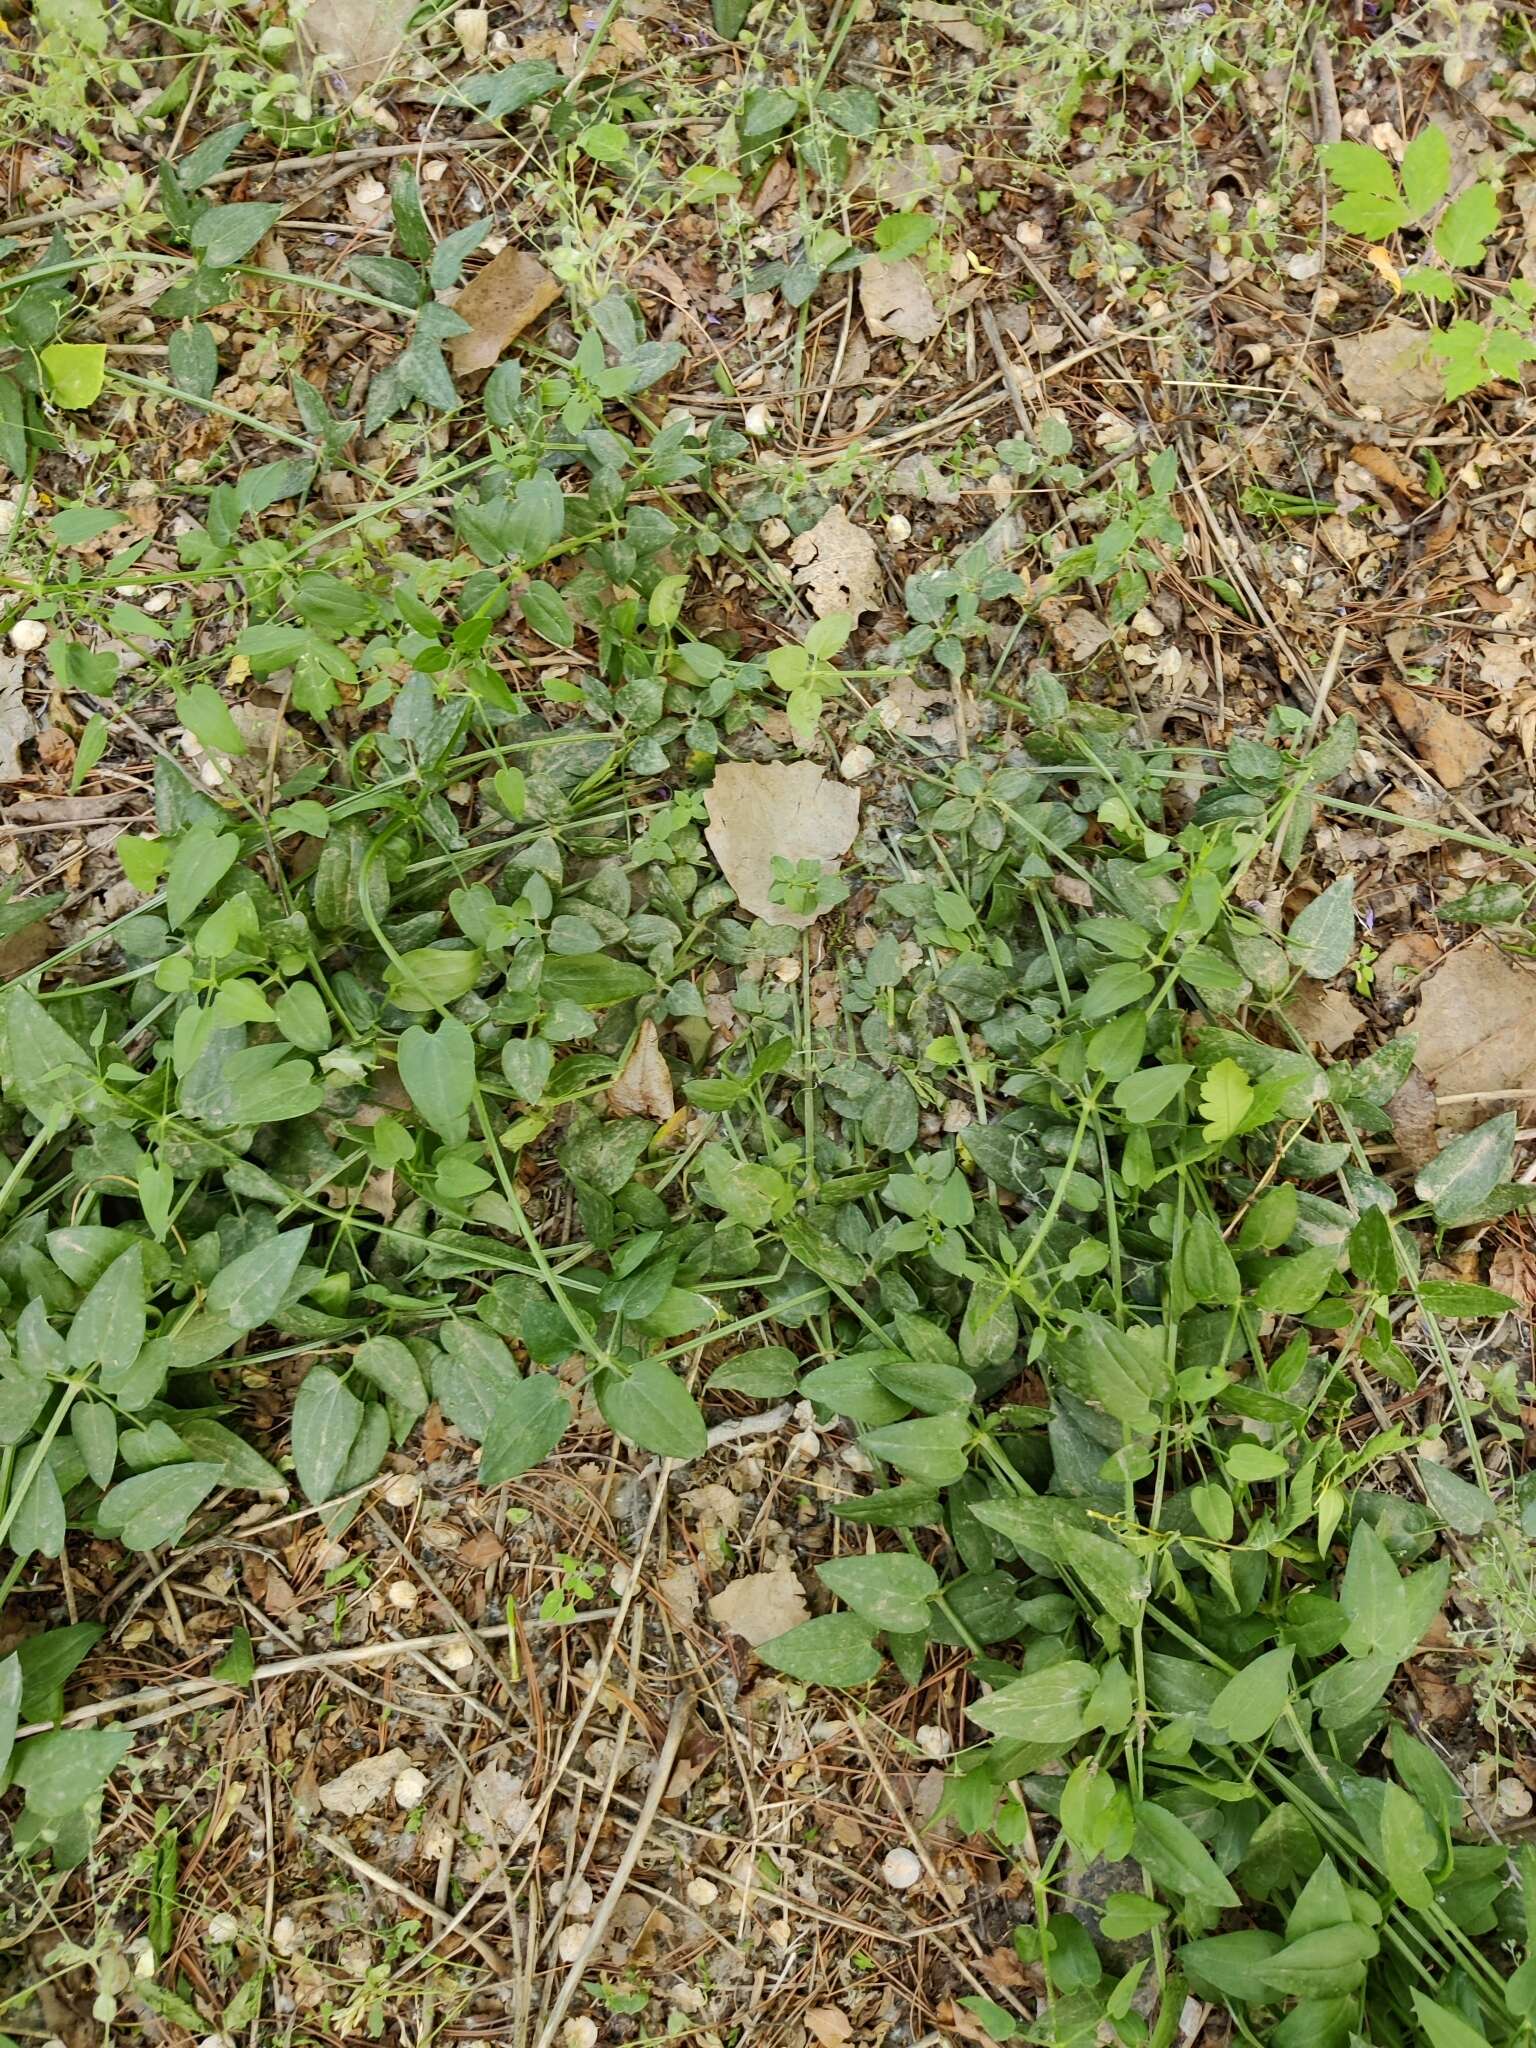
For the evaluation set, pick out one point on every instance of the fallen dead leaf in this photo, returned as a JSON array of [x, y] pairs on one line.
[[787, 810], [356, 38], [895, 300], [365, 1785], [1324, 1017], [1389, 471], [1513, 1272], [1414, 1116], [837, 566], [1476, 1031], [1390, 371], [643, 1085], [499, 301], [828, 2025], [761, 1606], [16, 729], [1079, 636], [1451, 747]]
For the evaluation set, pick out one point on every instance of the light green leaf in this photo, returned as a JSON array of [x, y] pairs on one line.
[[223, 234], [1226, 1096], [1426, 170], [390, 1366], [1176, 1860], [76, 371], [1458, 1503], [437, 1069], [108, 1329], [525, 1427], [1410, 1847], [1462, 232], [154, 1507], [1143, 1096], [930, 1448], [1252, 1701], [10, 1710], [651, 1407]]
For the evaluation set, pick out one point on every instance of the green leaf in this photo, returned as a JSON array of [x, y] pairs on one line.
[[1121, 1371], [593, 980], [223, 234], [1227, 1966], [1142, 1097], [10, 1710], [1329, 1963], [834, 1649], [326, 1419], [1176, 1860], [1426, 170], [1373, 1252], [302, 1018], [1252, 1701], [1226, 1096], [432, 977], [1444, 2028], [547, 612], [1458, 1503], [154, 1507], [1322, 937], [202, 859], [207, 717], [76, 371], [437, 1069], [1460, 1179], [1355, 167], [1462, 232], [94, 1429], [1410, 1847], [762, 1375], [1047, 1707], [651, 1407], [930, 1448], [248, 1292], [194, 358], [1206, 1268], [1289, 1287], [390, 1366], [108, 1329], [889, 1122], [526, 1425], [237, 1666], [889, 1591], [38, 1521], [1464, 1298], [64, 1772]]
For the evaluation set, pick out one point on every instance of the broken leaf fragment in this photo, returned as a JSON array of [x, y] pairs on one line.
[[499, 301], [760, 812], [896, 301], [357, 39], [761, 1606]]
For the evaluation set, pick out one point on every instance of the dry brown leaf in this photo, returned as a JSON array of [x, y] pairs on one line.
[[1389, 471], [789, 810], [1389, 370], [837, 566], [1476, 1032], [365, 1785], [643, 1086], [357, 39], [1324, 1017], [761, 1606], [895, 300], [1451, 747], [499, 301], [1079, 636], [829, 2026], [1415, 1117], [1513, 1272]]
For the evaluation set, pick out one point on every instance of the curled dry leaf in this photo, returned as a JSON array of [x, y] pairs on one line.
[[1079, 636], [1451, 748], [896, 301], [499, 301], [643, 1086], [791, 811], [357, 39], [1390, 371], [1324, 1017], [837, 566], [761, 1606]]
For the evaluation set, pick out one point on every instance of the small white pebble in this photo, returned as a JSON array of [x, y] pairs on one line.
[[580, 2033], [856, 763], [27, 635], [701, 1892], [456, 1656], [223, 1927], [901, 1869], [402, 1594], [898, 528], [285, 1934], [758, 422], [934, 1742], [573, 1940], [410, 1789]]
